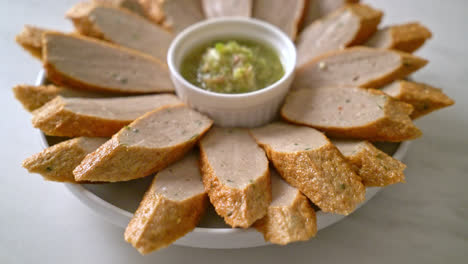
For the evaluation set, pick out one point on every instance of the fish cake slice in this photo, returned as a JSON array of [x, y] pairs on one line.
[[351, 112], [286, 15], [406, 37], [95, 117], [375, 167], [424, 98], [149, 144], [349, 25], [290, 217], [30, 38], [171, 207], [179, 14], [33, 97], [307, 160], [122, 28], [235, 175], [216, 8], [56, 163], [133, 6], [317, 9], [87, 63], [357, 66]]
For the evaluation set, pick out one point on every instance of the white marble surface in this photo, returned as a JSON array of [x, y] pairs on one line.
[[422, 221]]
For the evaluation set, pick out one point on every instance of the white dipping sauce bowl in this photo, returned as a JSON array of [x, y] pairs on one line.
[[233, 110]]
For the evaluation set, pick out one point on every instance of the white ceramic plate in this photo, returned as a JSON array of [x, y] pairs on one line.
[[116, 202]]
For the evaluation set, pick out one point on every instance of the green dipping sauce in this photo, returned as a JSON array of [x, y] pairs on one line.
[[233, 66]]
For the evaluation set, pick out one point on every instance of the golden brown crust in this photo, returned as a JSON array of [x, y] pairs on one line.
[[309, 171], [369, 20], [56, 163], [65, 79], [408, 65], [409, 37], [375, 167], [395, 126], [55, 120], [320, 172], [285, 224], [78, 14], [406, 37], [424, 98], [33, 97], [159, 221], [239, 208], [30, 38]]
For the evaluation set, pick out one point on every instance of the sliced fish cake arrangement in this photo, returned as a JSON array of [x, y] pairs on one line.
[[290, 216], [424, 98], [307, 160], [375, 167], [87, 63], [406, 37], [95, 117], [351, 112], [317, 9], [286, 15], [236, 175], [171, 207], [56, 163], [357, 66], [149, 144], [216, 8], [354, 94], [350, 25], [123, 28]]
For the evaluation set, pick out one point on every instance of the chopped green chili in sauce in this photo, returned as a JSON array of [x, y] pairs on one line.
[[239, 66]]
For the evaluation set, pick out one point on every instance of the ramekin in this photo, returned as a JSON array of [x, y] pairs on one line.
[[233, 110]]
